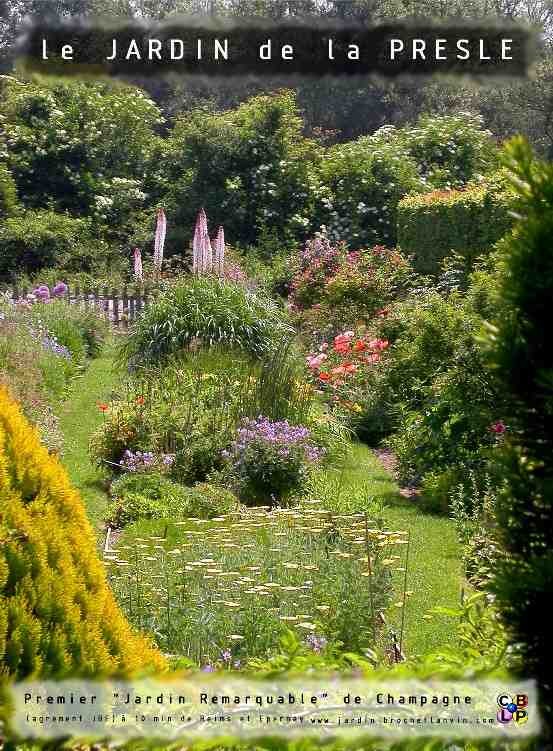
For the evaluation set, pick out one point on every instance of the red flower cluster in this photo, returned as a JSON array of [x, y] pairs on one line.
[[347, 356]]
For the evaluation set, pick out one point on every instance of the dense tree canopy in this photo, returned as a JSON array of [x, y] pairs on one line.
[[344, 107]]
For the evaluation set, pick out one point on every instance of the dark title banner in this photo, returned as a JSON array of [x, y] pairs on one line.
[[211, 47]]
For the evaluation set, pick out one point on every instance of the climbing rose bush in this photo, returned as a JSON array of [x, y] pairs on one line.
[[270, 459]]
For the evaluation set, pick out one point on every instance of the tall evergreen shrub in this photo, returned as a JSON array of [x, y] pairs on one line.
[[522, 353], [58, 616]]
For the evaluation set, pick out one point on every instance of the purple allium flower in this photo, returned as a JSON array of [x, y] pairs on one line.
[[226, 655], [208, 668], [42, 292], [60, 289]]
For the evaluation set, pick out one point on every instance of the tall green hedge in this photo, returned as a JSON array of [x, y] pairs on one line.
[[470, 221], [522, 357]]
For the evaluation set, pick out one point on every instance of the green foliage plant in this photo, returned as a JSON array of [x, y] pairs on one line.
[[8, 193], [522, 357], [37, 238], [202, 312]]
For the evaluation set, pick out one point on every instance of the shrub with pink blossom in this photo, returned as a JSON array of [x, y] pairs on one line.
[[336, 287]]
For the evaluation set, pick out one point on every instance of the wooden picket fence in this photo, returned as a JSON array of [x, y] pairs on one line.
[[119, 306]]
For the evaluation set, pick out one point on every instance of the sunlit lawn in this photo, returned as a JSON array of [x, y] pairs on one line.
[[79, 417], [434, 572]]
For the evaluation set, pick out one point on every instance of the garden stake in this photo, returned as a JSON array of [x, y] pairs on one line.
[[106, 544], [404, 592], [369, 569]]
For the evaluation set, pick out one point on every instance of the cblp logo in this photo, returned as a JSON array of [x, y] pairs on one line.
[[512, 709]]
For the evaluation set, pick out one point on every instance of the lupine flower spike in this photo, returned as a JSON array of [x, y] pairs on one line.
[[159, 241], [200, 231], [208, 254], [137, 264], [220, 251]]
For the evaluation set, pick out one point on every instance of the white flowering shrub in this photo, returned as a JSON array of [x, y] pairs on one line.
[[362, 183], [450, 151], [120, 205], [66, 142], [250, 168]]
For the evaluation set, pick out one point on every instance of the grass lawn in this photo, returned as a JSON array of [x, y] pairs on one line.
[[79, 418], [434, 572]]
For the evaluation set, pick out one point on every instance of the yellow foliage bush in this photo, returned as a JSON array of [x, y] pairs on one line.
[[58, 616]]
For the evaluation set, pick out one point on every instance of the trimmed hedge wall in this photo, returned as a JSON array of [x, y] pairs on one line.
[[470, 221]]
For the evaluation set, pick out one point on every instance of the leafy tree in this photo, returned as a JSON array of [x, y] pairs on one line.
[[68, 140], [250, 168]]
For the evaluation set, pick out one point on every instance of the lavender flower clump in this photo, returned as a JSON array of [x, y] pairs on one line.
[[285, 438], [316, 643], [271, 459], [142, 461], [50, 344]]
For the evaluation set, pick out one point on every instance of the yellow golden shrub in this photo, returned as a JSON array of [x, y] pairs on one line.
[[58, 615]]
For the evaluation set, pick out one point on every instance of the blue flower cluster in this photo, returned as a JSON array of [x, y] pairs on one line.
[[142, 461], [50, 344]]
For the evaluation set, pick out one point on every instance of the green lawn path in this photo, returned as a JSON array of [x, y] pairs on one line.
[[79, 418], [434, 572]]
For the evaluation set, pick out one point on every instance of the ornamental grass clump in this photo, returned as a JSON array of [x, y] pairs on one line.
[[271, 460], [203, 312], [58, 616]]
